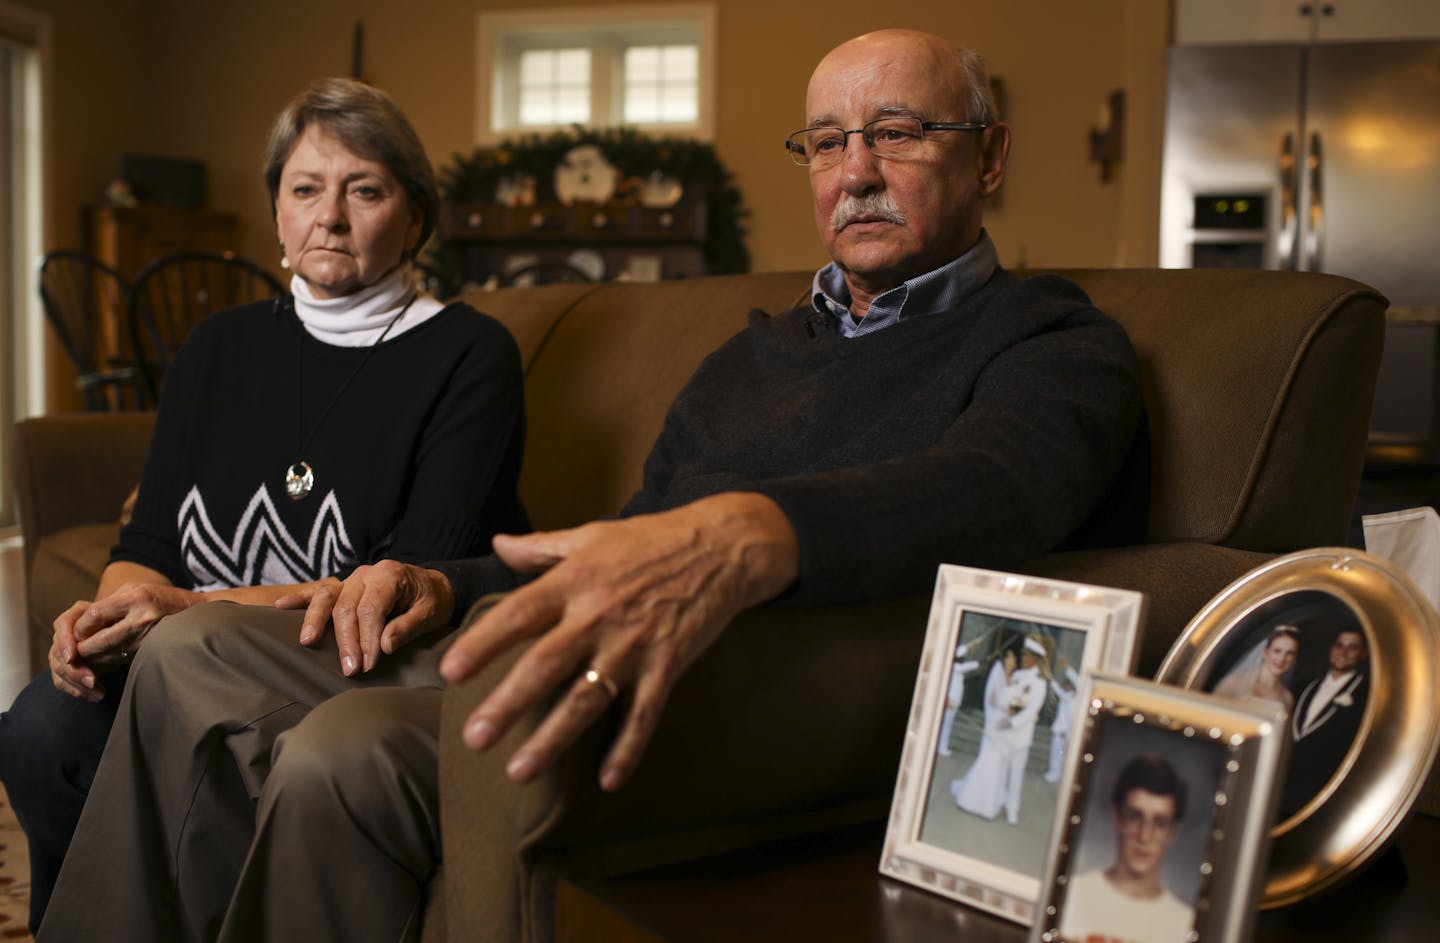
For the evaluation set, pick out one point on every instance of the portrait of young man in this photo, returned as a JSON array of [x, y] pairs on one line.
[[1141, 844]]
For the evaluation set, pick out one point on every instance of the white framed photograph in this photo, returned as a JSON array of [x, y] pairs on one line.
[[989, 728], [1346, 644], [1163, 830]]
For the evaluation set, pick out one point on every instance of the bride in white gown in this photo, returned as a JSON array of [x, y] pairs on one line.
[[982, 789], [1264, 671]]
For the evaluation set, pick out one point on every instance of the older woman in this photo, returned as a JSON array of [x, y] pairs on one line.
[[295, 440]]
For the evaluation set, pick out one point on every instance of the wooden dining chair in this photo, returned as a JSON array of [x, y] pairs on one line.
[[175, 291], [86, 305]]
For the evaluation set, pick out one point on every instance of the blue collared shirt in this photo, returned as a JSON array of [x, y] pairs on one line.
[[933, 292]]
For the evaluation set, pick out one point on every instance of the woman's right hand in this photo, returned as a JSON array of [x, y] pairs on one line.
[[67, 674], [92, 638]]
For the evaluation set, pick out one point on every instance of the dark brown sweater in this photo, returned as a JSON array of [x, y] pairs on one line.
[[983, 436]]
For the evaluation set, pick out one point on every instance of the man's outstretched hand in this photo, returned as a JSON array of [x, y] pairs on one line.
[[621, 606]]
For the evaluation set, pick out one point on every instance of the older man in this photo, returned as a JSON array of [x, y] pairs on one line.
[[926, 407]]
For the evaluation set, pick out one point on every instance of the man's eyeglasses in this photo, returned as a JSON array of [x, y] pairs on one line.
[[889, 138]]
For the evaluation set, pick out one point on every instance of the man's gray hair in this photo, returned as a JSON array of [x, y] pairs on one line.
[[369, 123], [980, 105]]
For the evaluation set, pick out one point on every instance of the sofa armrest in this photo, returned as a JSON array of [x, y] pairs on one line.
[[76, 468], [72, 473]]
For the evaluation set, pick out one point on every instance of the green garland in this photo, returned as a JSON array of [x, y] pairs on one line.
[[473, 179]]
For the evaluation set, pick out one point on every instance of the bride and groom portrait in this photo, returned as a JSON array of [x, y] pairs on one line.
[[996, 748], [1014, 693], [1313, 658]]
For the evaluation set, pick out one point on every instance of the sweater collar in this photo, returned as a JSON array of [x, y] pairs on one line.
[[931, 293]]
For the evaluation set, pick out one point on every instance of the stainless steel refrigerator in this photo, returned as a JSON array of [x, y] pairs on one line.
[[1321, 157]]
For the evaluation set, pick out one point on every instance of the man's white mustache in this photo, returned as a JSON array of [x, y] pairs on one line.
[[876, 206]]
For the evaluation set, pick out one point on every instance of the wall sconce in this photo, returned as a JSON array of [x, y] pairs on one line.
[[1107, 142]]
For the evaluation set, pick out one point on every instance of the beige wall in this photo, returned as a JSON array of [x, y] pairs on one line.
[[204, 79]]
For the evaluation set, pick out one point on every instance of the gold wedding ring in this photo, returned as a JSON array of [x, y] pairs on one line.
[[594, 677]]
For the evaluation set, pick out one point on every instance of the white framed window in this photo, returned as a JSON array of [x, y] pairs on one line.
[[649, 67]]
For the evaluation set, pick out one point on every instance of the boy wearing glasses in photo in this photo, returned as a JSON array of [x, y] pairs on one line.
[[1127, 902]]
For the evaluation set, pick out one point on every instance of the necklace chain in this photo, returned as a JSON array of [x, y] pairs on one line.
[[300, 476]]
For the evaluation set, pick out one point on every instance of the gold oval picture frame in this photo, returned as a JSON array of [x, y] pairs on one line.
[[1362, 799]]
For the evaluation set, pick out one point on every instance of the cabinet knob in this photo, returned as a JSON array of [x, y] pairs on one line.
[[667, 220], [537, 220], [474, 220], [600, 221]]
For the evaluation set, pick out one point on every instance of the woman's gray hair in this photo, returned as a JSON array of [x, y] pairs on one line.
[[369, 123], [980, 103]]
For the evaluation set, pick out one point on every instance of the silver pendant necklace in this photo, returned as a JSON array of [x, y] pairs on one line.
[[300, 477], [299, 480]]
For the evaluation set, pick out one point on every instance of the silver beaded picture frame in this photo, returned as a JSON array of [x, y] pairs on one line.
[[1164, 823], [979, 779]]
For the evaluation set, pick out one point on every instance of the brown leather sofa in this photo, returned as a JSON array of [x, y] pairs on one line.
[[1258, 386]]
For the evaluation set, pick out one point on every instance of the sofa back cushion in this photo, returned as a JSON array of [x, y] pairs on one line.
[[604, 372], [1257, 384]]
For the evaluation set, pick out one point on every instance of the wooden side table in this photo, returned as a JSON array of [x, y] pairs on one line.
[[828, 888]]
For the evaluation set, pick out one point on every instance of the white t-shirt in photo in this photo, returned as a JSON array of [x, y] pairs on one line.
[[1095, 912]]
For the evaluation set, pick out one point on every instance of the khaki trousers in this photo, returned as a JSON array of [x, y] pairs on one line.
[[250, 791]]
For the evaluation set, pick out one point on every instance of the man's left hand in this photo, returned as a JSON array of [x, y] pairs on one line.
[[634, 601]]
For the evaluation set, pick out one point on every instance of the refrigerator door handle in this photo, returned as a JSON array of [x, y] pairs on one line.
[[1285, 241], [1315, 211]]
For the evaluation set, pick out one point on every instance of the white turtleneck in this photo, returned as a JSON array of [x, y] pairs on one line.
[[360, 318]]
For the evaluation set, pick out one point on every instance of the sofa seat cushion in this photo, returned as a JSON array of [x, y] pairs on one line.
[[67, 566]]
